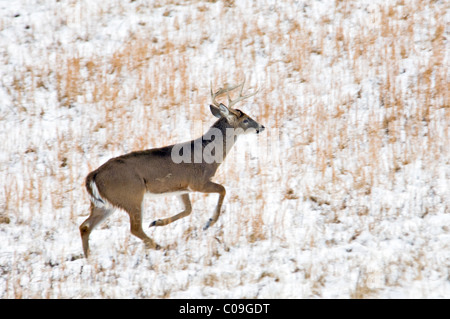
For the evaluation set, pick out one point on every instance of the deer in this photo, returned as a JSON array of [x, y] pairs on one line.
[[178, 169]]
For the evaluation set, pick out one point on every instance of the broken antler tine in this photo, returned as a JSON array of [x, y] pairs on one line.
[[212, 94], [229, 98], [242, 87]]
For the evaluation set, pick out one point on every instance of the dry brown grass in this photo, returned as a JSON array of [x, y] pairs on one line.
[[348, 107]]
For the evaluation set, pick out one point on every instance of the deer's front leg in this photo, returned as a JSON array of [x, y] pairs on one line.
[[212, 187], [187, 210]]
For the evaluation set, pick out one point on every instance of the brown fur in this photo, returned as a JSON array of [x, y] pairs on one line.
[[123, 181]]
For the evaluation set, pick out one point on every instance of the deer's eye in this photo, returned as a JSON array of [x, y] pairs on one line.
[[245, 121]]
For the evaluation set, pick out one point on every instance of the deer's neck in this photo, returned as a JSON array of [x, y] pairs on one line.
[[218, 140]]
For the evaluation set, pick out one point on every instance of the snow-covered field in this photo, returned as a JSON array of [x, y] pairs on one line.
[[345, 195]]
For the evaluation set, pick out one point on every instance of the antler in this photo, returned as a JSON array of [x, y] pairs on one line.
[[240, 97], [220, 92], [227, 90]]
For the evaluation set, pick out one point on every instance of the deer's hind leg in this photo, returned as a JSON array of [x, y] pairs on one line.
[[135, 213], [128, 194], [97, 215]]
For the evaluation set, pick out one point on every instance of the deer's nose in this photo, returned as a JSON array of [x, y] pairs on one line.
[[262, 128]]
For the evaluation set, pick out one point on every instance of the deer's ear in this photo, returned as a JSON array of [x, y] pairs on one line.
[[224, 111], [215, 111], [221, 111]]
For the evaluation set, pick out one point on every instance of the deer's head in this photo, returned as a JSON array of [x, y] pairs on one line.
[[235, 118]]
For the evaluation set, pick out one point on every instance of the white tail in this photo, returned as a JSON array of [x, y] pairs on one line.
[[176, 169]]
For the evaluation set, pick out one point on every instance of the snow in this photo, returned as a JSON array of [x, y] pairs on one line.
[[345, 195]]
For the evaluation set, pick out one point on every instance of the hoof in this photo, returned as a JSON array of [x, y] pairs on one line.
[[155, 223], [209, 223], [152, 245]]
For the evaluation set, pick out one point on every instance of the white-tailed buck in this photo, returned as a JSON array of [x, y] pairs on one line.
[[177, 169]]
